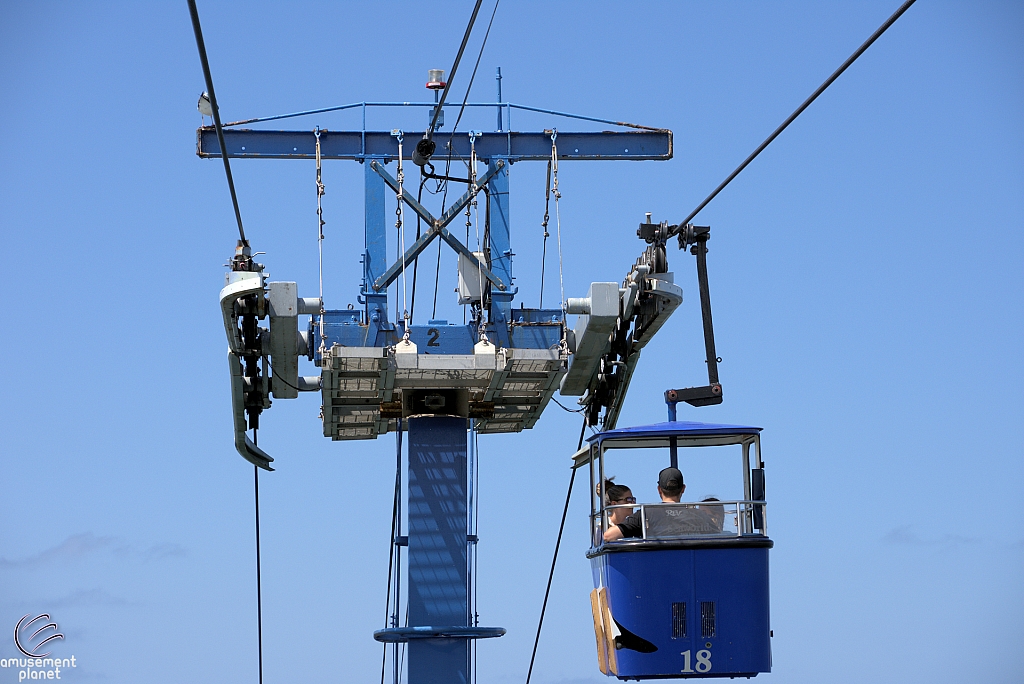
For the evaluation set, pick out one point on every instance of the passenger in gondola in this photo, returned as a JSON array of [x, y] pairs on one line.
[[660, 521], [617, 495], [714, 515]]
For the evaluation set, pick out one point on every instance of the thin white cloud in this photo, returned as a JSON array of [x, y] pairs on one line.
[[905, 535], [89, 597], [79, 546], [75, 546]]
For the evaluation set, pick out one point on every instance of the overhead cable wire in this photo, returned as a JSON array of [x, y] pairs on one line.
[[554, 558], [216, 113], [451, 75], [469, 87], [799, 110], [451, 138], [472, 77], [259, 582], [472, 169]]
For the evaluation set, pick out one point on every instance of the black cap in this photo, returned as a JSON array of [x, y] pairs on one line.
[[670, 479]]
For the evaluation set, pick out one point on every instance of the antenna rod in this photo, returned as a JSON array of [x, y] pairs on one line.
[[216, 112], [881, 29]]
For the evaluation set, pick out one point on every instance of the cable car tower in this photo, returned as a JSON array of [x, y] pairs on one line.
[[379, 375], [437, 385]]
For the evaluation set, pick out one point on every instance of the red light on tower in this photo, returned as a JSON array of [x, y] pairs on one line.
[[435, 79]]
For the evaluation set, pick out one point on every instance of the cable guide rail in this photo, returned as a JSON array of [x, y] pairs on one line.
[[514, 146]]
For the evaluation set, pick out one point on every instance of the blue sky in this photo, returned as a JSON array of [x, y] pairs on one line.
[[865, 274]]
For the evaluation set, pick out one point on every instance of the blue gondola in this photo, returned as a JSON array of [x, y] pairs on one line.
[[693, 603]]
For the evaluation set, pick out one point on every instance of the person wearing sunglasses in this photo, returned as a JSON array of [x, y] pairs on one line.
[[670, 488], [619, 518]]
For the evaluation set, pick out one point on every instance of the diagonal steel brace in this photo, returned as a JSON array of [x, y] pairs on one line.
[[406, 197], [437, 228]]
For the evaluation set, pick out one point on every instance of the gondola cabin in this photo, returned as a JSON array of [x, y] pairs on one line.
[[687, 596]]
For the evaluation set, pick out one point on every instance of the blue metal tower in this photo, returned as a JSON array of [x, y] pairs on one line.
[[379, 375]]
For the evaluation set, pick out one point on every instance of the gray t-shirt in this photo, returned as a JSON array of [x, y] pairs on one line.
[[678, 521], [671, 521]]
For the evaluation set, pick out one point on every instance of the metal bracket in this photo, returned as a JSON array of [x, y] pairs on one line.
[[696, 238]]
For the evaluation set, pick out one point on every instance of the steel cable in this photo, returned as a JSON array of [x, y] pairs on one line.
[[259, 580], [554, 558], [799, 110], [198, 30], [451, 75], [472, 77]]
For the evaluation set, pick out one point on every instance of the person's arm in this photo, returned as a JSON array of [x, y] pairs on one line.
[[630, 527]]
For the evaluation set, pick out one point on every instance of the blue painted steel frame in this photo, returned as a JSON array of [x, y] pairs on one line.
[[500, 149], [725, 578], [526, 330], [438, 587], [501, 242], [437, 229], [374, 262], [359, 145], [438, 548], [733, 637]]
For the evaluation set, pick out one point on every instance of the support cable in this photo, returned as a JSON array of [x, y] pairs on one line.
[[416, 263], [400, 225], [554, 558], [472, 77], [505, 105], [544, 225], [469, 87], [451, 75], [320, 241], [799, 110], [259, 582], [481, 330], [437, 270], [566, 408], [198, 30], [558, 216]]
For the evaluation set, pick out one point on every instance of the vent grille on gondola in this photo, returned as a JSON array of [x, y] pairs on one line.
[[678, 620], [707, 619]]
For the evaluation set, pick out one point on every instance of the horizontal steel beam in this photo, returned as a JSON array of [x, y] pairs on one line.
[[358, 145]]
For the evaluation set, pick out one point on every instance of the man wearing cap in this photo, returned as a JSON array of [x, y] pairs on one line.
[[660, 522]]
